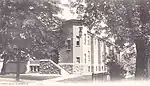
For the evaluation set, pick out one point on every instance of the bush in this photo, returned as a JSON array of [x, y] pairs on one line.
[[115, 68]]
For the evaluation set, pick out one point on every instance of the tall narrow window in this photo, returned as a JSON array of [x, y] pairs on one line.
[[84, 38], [88, 40], [88, 56], [68, 44], [89, 68], [84, 58], [77, 40], [78, 59]]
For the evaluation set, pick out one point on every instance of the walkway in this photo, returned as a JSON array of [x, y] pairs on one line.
[[63, 78]]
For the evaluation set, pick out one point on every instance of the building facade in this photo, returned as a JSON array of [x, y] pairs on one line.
[[84, 52]]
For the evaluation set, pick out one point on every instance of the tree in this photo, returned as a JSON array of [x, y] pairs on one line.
[[28, 26], [5, 56], [128, 57], [127, 21]]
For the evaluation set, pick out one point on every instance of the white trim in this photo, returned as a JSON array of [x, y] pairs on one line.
[[34, 64]]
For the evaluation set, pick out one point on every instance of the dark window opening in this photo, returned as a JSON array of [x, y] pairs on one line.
[[78, 59], [84, 38], [78, 43], [68, 44], [77, 40], [88, 40], [85, 58]]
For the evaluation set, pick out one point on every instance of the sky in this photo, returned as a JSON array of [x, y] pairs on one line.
[[66, 14]]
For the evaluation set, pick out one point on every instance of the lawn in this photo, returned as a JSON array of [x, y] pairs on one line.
[[30, 77]]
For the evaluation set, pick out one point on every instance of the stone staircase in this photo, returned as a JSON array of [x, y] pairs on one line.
[[50, 67]]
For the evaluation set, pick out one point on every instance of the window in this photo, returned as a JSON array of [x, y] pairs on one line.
[[78, 59], [77, 40], [80, 28], [102, 68], [84, 38], [88, 40], [78, 43], [89, 68], [68, 44], [84, 58], [80, 31], [88, 56]]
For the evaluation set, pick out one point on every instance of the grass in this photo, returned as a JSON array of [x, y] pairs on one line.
[[29, 77]]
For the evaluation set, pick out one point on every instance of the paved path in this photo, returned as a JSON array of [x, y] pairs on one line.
[[119, 83], [62, 78], [10, 81]]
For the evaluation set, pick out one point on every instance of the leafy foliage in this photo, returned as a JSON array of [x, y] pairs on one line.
[[30, 26], [127, 21], [115, 68], [128, 59]]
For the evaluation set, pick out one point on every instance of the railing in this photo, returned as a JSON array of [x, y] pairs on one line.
[[34, 68]]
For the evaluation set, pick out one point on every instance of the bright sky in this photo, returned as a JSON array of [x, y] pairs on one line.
[[66, 14]]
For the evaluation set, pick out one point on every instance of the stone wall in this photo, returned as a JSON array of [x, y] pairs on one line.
[[47, 67], [72, 68], [68, 68]]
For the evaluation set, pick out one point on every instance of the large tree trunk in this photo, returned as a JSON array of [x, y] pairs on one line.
[[141, 43], [141, 59]]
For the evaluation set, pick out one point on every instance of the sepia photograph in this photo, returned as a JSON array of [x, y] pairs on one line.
[[74, 42]]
